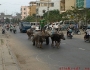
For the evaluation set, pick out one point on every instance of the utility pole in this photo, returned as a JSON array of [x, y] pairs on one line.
[[36, 10], [48, 11]]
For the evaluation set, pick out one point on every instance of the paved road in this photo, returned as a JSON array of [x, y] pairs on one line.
[[73, 53]]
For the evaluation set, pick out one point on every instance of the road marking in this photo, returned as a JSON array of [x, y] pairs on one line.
[[81, 49]]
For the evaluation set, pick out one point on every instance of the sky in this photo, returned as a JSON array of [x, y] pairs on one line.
[[13, 6]]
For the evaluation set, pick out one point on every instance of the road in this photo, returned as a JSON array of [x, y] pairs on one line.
[[73, 53]]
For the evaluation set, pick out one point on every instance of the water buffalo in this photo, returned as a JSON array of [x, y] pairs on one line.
[[40, 37], [29, 33], [56, 38]]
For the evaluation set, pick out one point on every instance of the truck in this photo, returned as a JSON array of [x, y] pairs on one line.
[[24, 26]]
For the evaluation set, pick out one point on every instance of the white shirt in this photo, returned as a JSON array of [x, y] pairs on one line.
[[88, 31]]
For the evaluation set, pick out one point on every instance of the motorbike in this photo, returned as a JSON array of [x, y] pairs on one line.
[[3, 31], [70, 35], [87, 39], [10, 30], [14, 31]]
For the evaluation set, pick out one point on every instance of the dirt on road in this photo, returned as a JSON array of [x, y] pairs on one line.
[[25, 56]]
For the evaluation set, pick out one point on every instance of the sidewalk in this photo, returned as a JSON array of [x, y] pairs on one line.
[[8, 60]]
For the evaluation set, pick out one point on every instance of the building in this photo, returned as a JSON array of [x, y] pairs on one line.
[[62, 6], [83, 3], [17, 17], [3, 17], [47, 5], [69, 4], [32, 8], [80, 3], [24, 12]]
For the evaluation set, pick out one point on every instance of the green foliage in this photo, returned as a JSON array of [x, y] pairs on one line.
[[7, 20], [31, 18], [15, 20], [77, 14], [53, 16]]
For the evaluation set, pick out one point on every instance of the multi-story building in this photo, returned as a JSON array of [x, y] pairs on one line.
[[32, 8], [87, 3], [69, 4], [47, 5], [3, 17], [80, 3], [24, 11], [83, 3], [62, 6]]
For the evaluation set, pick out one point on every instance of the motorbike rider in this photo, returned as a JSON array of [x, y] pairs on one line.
[[87, 33], [11, 28], [69, 30], [3, 30], [14, 28]]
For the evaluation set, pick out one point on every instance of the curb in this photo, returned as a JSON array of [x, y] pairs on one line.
[[15, 59], [8, 59]]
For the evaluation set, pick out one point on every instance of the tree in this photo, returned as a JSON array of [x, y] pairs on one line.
[[54, 16], [7, 20]]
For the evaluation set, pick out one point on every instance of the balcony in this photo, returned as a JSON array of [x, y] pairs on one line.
[[63, 1]]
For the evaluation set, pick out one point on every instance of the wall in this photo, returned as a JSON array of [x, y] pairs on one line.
[[24, 13], [55, 7], [32, 10], [68, 4]]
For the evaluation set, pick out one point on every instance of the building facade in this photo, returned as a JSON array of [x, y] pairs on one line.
[[47, 5], [32, 8], [80, 3], [24, 12], [3, 17], [69, 4], [62, 6], [83, 3]]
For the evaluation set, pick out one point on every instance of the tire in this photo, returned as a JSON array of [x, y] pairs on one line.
[[89, 39], [20, 31]]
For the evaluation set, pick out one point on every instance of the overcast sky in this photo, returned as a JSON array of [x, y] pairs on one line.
[[13, 6]]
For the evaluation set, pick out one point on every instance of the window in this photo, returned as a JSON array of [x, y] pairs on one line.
[[38, 4], [24, 12], [24, 9], [45, 4], [24, 16], [42, 4], [52, 4], [44, 11]]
